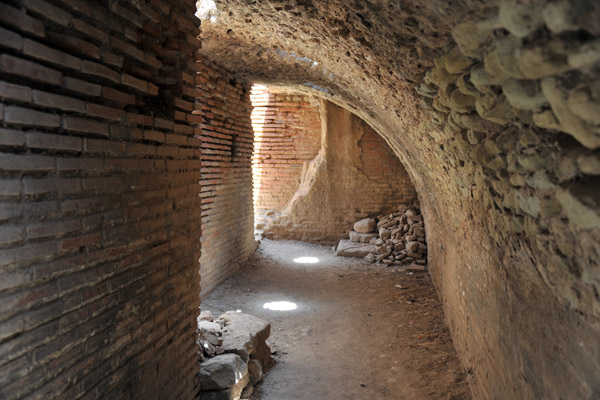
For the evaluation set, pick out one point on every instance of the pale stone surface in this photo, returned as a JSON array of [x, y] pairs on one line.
[[362, 237], [256, 372], [222, 372], [347, 248], [365, 225], [209, 331], [243, 333]]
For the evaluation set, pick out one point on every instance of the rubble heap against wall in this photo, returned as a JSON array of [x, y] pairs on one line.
[[234, 354], [393, 239]]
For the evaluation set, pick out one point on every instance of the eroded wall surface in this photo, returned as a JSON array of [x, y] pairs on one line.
[[354, 175], [106, 121], [502, 151], [287, 135]]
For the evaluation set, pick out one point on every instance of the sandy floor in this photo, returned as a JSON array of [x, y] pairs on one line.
[[359, 331]]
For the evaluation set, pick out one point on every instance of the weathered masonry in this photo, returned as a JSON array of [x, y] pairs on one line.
[[109, 121], [126, 148], [317, 168]]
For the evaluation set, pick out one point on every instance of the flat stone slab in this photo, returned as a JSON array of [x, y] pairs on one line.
[[222, 372], [347, 248], [233, 393], [243, 333], [209, 331], [362, 237]]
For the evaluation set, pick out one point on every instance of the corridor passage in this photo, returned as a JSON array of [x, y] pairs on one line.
[[348, 329]]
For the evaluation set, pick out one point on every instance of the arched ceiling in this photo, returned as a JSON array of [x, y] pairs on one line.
[[503, 158], [364, 55]]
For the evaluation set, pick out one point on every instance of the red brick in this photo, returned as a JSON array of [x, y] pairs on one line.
[[117, 95], [163, 124], [51, 100], [49, 11], [74, 44], [30, 70], [92, 68], [10, 39], [79, 6], [84, 125], [129, 15], [152, 61], [84, 87], [9, 137], [134, 82], [21, 21], [194, 119], [14, 162], [10, 235], [149, 12], [80, 164], [91, 31], [97, 110], [63, 186], [104, 146], [26, 116], [52, 228], [10, 91], [140, 119], [182, 128], [48, 141], [10, 188], [126, 48], [81, 241], [182, 104], [41, 52], [154, 136], [176, 139], [112, 58]]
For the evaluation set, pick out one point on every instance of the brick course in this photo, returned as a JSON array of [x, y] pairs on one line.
[[109, 175], [287, 130], [226, 194], [288, 135]]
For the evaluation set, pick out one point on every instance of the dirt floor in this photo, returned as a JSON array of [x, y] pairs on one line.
[[360, 331]]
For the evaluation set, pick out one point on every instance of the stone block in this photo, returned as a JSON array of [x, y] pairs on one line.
[[223, 372], [362, 237], [243, 333], [365, 225], [347, 248]]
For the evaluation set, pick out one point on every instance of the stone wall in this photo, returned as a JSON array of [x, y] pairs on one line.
[[354, 175], [502, 151], [287, 135], [517, 98], [102, 130]]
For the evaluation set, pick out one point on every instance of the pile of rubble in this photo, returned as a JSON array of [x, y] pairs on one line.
[[234, 354], [394, 239]]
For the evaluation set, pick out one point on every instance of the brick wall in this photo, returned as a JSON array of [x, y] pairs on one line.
[[101, 133], [287, 129], [344, 170], [227, 217]]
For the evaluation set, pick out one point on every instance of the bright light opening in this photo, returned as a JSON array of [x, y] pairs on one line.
[[207, 10], [280, 306], [306, 260]]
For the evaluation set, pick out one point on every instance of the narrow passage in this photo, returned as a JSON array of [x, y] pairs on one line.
[[359, 331]]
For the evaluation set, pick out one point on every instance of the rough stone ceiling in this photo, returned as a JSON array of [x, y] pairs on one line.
[[366, 56], [349, 51]]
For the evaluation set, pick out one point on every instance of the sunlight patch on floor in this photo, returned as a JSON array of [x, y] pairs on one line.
[[280, 306]]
